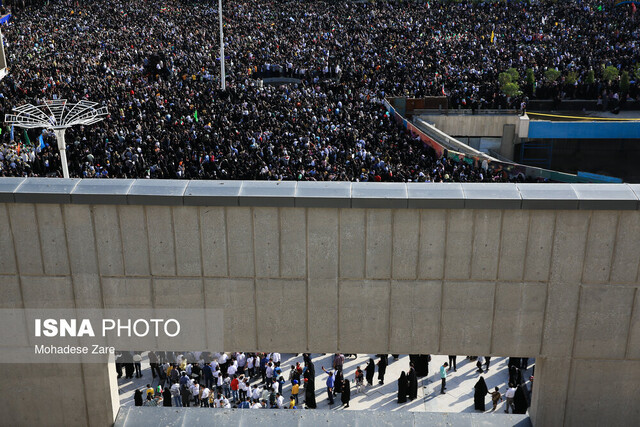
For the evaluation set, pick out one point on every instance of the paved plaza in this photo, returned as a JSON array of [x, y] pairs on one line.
[[459, 396]]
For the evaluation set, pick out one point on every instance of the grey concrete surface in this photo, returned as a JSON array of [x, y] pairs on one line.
[[558, 285]]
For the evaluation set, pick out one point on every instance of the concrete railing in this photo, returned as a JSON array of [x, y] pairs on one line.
[[321, 194]]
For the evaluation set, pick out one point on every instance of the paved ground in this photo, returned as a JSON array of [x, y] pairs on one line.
[[459, 397]]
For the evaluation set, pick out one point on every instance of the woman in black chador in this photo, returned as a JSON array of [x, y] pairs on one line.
[[310, 384], [382, 367], [402, 388], [346, 393], [480, 394], [413, 384], [520, 401], [166, 397], [338, 379], [137, 398], [370, 371]]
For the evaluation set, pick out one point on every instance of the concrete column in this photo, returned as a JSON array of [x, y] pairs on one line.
[[550, 391], [507, 141]]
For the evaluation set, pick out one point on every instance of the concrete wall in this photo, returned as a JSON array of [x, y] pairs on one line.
[[472, 125], [545, 271]]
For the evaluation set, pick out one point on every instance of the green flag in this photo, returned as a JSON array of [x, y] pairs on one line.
[[195, 115], [26, 137]]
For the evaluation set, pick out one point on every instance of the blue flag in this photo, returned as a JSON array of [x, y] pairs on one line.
[[11, 136]]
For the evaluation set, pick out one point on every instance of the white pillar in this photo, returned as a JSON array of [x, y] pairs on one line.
[[223, 84], [63, 151]]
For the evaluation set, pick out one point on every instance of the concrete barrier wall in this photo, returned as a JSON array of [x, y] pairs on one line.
[[472, 125], [546, 271]]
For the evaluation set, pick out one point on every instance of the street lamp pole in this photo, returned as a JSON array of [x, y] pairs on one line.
[[223, 83], [63, 151]]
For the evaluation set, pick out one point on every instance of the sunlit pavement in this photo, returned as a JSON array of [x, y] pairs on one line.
[[459, 396]]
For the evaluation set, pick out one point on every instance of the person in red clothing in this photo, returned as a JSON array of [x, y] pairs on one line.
[[235, 384]]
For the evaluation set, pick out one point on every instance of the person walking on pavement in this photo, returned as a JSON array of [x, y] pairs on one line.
[[510, 394], [443, 377], [452, 363]]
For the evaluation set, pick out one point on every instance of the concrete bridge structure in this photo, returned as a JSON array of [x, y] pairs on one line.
[[534, 270]]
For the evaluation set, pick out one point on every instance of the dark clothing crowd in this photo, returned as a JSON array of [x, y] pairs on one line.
[[156, 67]]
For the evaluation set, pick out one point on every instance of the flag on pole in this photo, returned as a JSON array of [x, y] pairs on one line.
[[492, 35], [195, 115], [443, 93], [11, 135], [26, 138], [40, 146], [633, 8]]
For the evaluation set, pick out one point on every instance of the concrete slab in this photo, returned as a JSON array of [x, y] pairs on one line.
[[433, 238], [47, 292], [633, 345], [182, 292], [162, 251], [53, 239], [406, 235], [368, 297], [493, 195], [379, 247], [237, 298], [266, 241], [435, 195], [550, 391], [27, 242], [322, 318], [513, 245], [239, 224], [560, 319], [415, 316], [11, 293], [80, 239], [569, 243], [186, 227], [101, 191], [8, 186], [519, 318], [87, 290], [388, 195], [267, 193], [626, 256], [8, 261], [157, 192], [603, 322], [352, 240], [322, 242], [212, 193], [45, 190], [543, 196], [213, 235], [108, 239], [323, 194], [275, 297], [537, 263], [135, 243], [605, 196], [588, 393], [601, 241], [293, 242], [467, 316], [458, 244], [486, 244], [127, 292]]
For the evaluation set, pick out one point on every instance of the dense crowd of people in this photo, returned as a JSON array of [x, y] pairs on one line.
[[155, 65], [263, 380]]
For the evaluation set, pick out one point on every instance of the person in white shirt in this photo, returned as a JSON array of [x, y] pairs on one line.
[[250, 365], [217, 400], [241, 358], [204, 399], [280, 401], [255, 393], [275, 357], [269, 374], [195, 392], [232, 369], [256, 405], [509, 395]]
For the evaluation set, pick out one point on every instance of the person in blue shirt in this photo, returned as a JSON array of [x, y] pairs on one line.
[[443, 377], [330, 384]]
